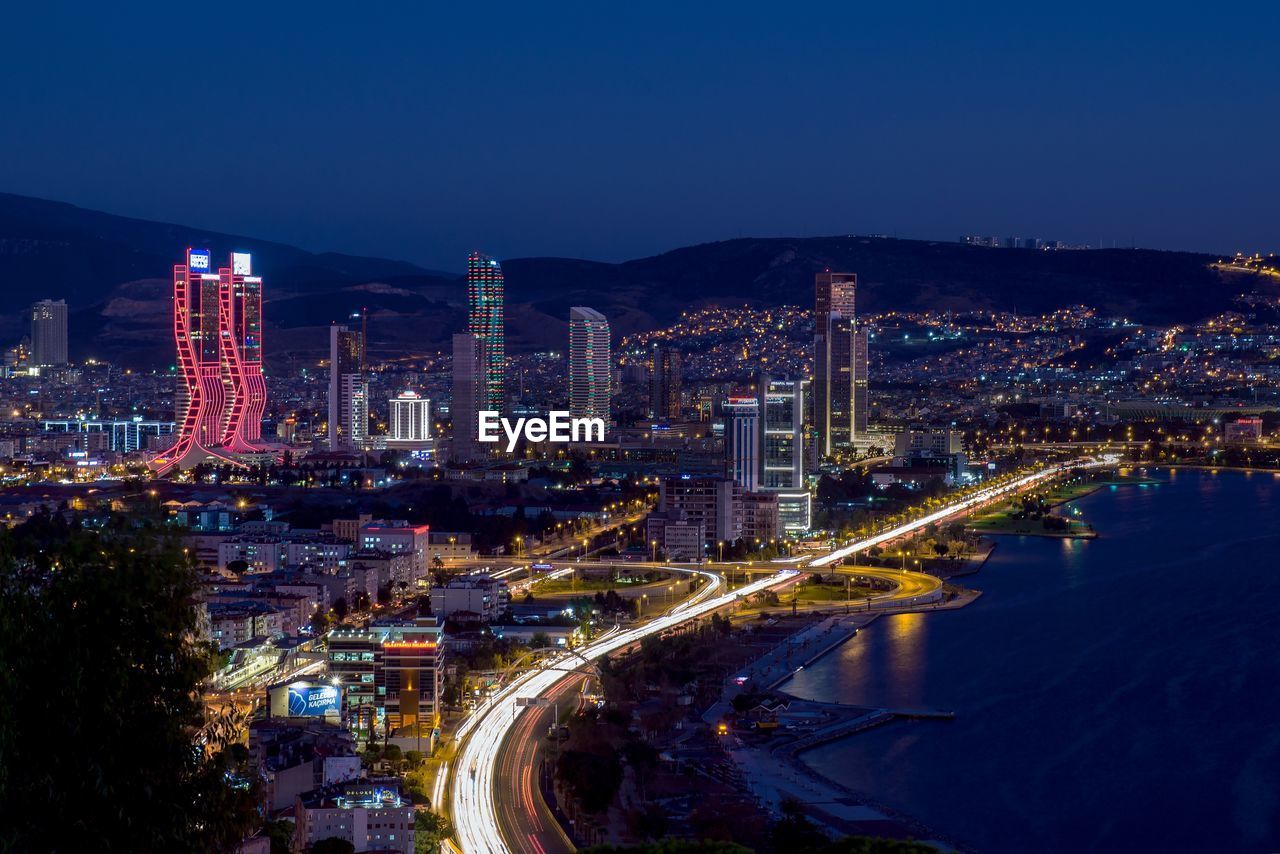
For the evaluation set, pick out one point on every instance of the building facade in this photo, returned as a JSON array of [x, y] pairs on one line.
[[486, 321], [590, 368], [49, 333], [221, 393], [348, 390], [468, 396], [781, 403], [410, 421], [666, 375]]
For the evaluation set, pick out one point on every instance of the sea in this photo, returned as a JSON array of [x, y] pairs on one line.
[[1117, 694]]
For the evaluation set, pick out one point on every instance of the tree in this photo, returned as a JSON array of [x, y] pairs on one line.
[[110, 611], [320, 622], [239, 567], [281, 835], [333, 845], [429, 830], [340, 608]]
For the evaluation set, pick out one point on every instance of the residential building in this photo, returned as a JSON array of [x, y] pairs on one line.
[[348, 390], [666, 375], [410, 422], [49, 333], [590, 369], [468, 396], [372, 815], [480, 597]]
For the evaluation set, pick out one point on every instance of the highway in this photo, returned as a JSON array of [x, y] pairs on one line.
[[484, 737]]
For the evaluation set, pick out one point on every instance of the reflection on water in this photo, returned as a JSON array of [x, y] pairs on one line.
[[1110, 694]]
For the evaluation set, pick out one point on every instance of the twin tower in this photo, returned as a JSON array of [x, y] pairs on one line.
[[221, 393]]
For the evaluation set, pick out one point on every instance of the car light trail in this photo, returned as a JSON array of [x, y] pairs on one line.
[[474, 813]]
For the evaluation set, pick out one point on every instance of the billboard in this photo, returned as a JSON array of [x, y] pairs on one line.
[[313, 700], [199, 261], [241, 264]]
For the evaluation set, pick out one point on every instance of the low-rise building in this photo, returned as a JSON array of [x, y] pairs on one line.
[[371, 814]]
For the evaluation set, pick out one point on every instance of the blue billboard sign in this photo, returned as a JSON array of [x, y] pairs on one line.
[[199, 261], [313, 700]]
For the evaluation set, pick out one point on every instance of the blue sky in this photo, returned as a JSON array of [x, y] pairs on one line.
[[610, 131]]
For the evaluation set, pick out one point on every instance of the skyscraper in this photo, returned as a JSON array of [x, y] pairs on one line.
[[861, 390], [348, 390], [486, 319], [590, 370], [49, 333], [468, 391], [221, 394], [781, 406], [742, 440], [666, 372], [240, 340], [834, 348]]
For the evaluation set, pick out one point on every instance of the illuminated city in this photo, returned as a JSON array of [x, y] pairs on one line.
[[533, 432]]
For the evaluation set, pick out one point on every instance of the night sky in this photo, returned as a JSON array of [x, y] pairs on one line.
[[609, 130]]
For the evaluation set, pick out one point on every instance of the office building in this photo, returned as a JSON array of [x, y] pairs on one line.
[[221, 394], [391, 674], [590, 370], [486, 321], [49, 333], [666, 372], [742, 440], [714, 502], [241, 344], [468, 397], [781, 405], [410, 422], [834, 347], [348, 390]]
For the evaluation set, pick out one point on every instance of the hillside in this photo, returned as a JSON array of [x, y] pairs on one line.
[[114, 272]]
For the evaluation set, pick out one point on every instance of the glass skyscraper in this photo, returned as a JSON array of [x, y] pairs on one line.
[[486, 321]]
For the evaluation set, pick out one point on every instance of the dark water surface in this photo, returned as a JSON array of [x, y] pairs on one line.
[[1120, 694]]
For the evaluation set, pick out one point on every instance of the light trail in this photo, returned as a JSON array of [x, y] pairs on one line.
[[475, 816], [969, 503], [474, 813]]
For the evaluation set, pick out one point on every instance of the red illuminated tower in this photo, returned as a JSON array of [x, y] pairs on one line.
[[241, 345], [221, 394]]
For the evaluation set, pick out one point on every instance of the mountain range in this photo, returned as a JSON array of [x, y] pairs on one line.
[[114, 272]]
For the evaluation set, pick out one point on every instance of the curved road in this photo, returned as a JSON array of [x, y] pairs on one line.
[[496, 763]]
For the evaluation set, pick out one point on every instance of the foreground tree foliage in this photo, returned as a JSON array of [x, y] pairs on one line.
[[103, 741]]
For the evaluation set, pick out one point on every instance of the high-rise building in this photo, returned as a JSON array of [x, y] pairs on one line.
[[781, 405], [836, 344], [410, 421], [49, 333], [742, 440], [221, 394], [240, 293], [590, 370], [861, 389], [468, 396], [348, 390], [486, 321], [666, 372]]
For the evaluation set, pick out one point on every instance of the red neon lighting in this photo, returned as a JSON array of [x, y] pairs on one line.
[[217, 330]]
